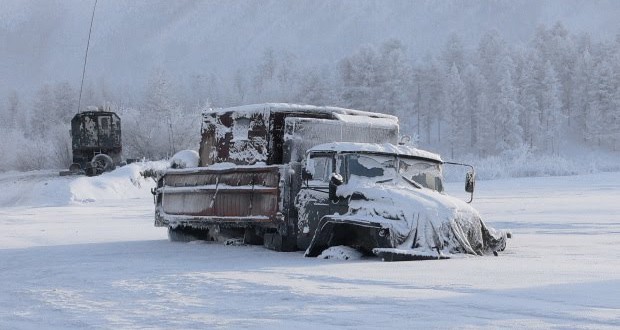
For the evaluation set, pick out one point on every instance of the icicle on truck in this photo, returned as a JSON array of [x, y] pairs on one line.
[[295, 177]]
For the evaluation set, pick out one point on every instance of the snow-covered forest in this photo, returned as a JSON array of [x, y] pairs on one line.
[[491, 99]]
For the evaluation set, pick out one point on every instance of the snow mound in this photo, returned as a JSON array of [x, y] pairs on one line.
[[185, 159], [47, 188], [341, 253], [125, 182]]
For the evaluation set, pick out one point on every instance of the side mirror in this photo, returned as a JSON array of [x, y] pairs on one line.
[[305, 175], [470, 182], [335, 181]]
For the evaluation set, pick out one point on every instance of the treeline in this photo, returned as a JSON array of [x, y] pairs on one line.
[[484, 100]]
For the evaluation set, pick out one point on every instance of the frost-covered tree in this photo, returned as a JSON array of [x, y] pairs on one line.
[[40, 113], [602, 101], [493, 61], [435, 86], [156, 130], [551, 108], [276, 77], [453, 53], [582, 93], [240, 87], [64, 105], [455, 108], [510, 133], [554, 45], [394, 90], [14, 117], [426, 88], [316, 87], [358, 75], [199, 94], [485, 145], [475, 86], [266, 70], [531, 115], [159, 98], [491, 51]]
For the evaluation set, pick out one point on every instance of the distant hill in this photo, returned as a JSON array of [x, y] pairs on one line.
[[43, 41]]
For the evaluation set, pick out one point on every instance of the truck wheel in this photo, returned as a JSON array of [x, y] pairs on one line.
[[251, 237], [102, 163], [277, 242], [187, 234]]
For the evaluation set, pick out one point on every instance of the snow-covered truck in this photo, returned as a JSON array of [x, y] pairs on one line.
[[296, 177], [95, 142]]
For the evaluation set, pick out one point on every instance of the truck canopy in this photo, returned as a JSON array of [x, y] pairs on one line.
[[277, 133]]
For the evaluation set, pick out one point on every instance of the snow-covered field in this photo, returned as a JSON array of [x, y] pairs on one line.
[[80, 252]]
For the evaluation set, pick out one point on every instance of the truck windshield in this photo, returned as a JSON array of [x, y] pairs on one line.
[[425, 173], [381, 168], [377, 168]]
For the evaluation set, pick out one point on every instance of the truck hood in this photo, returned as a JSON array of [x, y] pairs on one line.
[[421, 221]]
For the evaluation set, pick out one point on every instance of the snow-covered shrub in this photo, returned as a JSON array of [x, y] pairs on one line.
[[523, 162]]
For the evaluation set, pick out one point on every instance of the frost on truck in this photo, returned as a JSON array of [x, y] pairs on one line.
[[95, 142], [250, 170], [296, 177], [387, 200]]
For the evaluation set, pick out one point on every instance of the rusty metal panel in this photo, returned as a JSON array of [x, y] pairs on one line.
[[226, 193], [231, 137], [237, 176], [222, 202]]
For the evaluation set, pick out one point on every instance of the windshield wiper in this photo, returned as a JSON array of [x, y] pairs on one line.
[[413, 183]]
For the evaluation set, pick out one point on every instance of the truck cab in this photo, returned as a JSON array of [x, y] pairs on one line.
[[387, 200]]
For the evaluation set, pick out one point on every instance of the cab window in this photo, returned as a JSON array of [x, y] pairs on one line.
[[321, 168]]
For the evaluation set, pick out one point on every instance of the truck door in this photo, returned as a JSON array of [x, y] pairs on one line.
[[313, 199], [105, 131]]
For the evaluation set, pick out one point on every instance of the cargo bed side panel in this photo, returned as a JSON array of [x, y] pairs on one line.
[[205, 196]]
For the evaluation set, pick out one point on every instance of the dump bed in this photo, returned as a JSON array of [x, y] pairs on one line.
[[220, 195]]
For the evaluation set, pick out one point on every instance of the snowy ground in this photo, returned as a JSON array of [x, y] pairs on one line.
[[79, 257]]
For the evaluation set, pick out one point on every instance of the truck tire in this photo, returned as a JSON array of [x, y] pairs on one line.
[[277, 242], [102, 163]]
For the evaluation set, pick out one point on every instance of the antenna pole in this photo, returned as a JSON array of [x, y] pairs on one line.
[[92, 18]]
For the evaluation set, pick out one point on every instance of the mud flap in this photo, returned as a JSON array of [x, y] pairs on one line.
[[321, 239]]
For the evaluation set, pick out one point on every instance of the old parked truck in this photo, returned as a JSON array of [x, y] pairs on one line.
[[296, 177], [95, 142]]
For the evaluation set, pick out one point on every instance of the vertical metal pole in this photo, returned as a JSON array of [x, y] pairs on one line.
[[92, 18]]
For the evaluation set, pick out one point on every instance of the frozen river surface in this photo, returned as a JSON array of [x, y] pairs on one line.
[[100, 263]]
